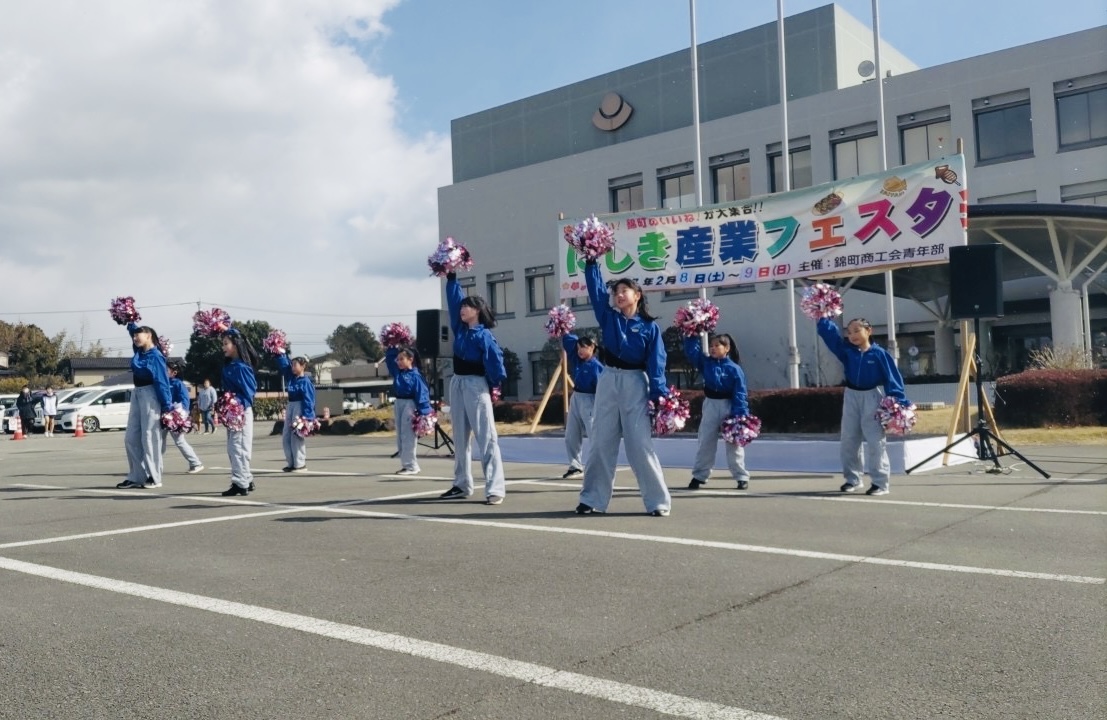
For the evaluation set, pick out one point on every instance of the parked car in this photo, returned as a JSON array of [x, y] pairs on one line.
[[10, 410], [100, 408], [8, 401]]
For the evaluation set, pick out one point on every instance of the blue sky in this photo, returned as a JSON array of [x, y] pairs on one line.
[[450, 58]]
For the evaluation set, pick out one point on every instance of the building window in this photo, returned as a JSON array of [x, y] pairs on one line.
[[541, 370], [736, 289], [1002, 133], [681, 294], [678, 191], [1026, 196], [1082, 119], [581, 301], [541, 288], [468, 285], [799, 168], [731, 182], [1086, 193], [856, 156], [627, 198], [501, 286], [924, 142]]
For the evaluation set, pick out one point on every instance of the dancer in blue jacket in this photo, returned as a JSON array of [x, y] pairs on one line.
[[301, 403], [478, 367], [634, 374], [585, 369], [412, 398], [239, 378], [144, 440], [724, 389], [871, 373], [179, 394]]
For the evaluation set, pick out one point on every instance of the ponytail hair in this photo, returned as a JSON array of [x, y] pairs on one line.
[[727, 341], [643, 308]]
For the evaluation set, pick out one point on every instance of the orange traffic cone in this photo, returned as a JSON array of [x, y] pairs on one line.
[[78, 427], [18, 429]]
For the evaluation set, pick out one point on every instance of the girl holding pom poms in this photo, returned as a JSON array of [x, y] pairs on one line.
[[634, 356], [585, 369], [240, 361], [150, 401], [871, 374], [181, 402], [724, 389], [412, 398], [478, 369], [301, 403]]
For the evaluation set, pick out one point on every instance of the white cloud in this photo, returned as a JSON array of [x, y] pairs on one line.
[[230, 151]]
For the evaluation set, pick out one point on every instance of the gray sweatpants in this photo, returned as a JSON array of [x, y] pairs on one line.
[[471, 412], [578, 426], [186, 450], [144, 440], [240, 445], [859, 423], [621, 412], [711, 420], [295, 447], [403, 412]]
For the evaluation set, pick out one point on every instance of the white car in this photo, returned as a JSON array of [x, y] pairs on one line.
[[100, 408]]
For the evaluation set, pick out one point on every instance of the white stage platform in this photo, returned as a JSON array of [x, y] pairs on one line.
[[785, 453]]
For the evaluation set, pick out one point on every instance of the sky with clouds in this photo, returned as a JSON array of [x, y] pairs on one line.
[[282, 159]]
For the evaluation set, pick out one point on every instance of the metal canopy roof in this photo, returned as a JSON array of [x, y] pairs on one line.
[[1065, 243]]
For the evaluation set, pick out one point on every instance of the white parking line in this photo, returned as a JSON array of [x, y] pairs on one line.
[[541, 675]]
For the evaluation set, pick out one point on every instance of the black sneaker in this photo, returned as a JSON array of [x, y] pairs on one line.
[[660, 512], [286, 468], [128, 485], [874, 490], [454, 493], [743, 484], [849, 488], [235, 490], [251, 487], [583, 509], [696, 484], [571, 472]]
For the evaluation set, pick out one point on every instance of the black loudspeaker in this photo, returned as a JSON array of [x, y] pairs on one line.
[[975, 281], [426, 332]]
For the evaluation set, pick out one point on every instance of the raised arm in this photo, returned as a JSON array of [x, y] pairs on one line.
[[390, 362], [597, 291], [569, 344], [454, 296], [694, 352], [286, 367], [830, 334]]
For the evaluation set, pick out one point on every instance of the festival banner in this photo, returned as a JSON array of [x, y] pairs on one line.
[[911, 215]]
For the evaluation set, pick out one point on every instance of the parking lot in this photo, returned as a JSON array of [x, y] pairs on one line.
[[351, 592]]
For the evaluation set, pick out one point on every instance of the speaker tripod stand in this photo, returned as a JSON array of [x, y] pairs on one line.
[[984, 437], [441, 437]]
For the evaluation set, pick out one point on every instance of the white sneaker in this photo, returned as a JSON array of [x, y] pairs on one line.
[[198, 468]]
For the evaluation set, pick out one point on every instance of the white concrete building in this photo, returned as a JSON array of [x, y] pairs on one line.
[[1034, 124]]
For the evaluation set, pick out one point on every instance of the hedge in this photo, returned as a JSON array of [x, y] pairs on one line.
[[1045, 398]]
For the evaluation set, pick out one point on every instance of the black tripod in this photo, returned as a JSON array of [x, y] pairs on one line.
[[441, 438], [985, 437]]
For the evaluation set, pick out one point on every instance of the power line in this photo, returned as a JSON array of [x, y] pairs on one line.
[[88, 310]]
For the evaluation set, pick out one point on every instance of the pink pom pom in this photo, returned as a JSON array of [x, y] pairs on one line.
[[670, 413], [275, 342], [896, 418], [123, 310], [211, 322], [741, 430], [230, 411], [450, 256], [496, 393], [698, 316], [821, 301], [591, 237], [305, 427], [561, 321], [396, 335], [177, 420], [423, 425], [164, 345]]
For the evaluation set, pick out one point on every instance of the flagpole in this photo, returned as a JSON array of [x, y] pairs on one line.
[[697, 170], [785, 159], [881, 130]]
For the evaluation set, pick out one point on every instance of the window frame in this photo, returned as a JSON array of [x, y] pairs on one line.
[[507, 279], [774, 155], [983, 109], [1058, 97]]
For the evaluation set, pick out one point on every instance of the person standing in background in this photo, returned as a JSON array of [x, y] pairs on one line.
[[205, 399], [49, 410]]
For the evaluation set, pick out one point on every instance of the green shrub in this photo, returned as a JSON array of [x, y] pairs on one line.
[[268, 408], [1045, 398]]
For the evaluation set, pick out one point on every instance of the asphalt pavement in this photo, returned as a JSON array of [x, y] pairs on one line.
[[352, 592]]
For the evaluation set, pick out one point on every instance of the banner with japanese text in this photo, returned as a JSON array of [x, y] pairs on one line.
[[911, 215]]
